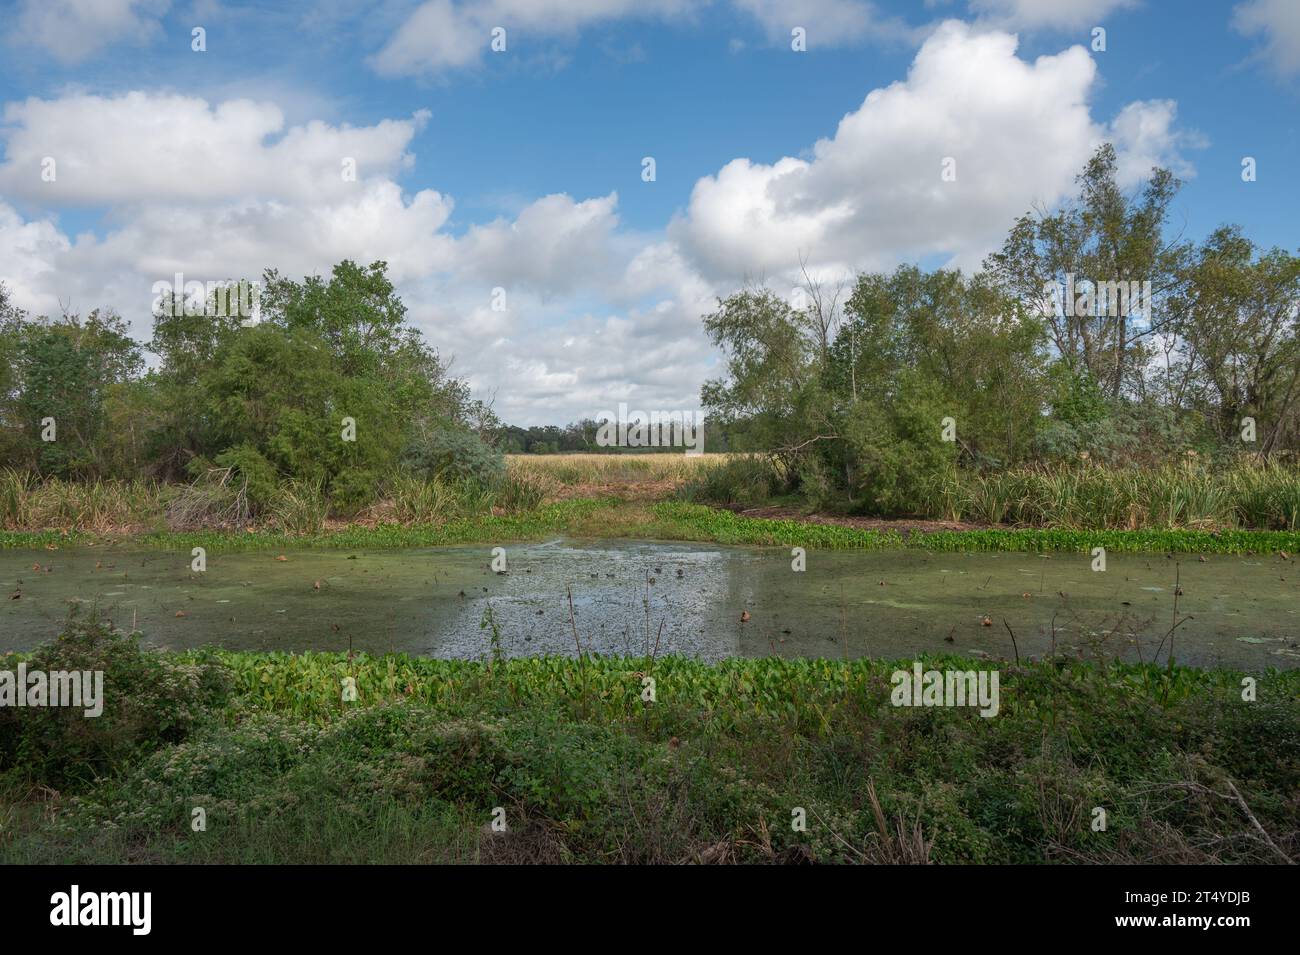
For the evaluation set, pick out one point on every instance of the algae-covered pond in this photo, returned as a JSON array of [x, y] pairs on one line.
[[630, 597]]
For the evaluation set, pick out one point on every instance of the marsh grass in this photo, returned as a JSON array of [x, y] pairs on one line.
[[299, 508], [606, 469], [1264, 496], [97, 506], [534, 489]]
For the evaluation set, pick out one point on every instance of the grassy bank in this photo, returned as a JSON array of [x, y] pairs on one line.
[[678, 521], [1243, 493], [714, 769], [1184, 509], [29, 503]]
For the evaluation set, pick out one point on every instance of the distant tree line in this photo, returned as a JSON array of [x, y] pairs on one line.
[[579, 437]]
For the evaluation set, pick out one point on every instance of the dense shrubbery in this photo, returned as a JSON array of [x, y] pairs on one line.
[[149, 700], [588, 772], [264, 406]]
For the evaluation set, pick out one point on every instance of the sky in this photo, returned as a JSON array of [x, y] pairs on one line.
[[509, 190]]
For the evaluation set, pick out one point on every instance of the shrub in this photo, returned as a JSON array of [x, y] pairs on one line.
[[257, 475], [454, 454], [743, 480], [353, 488], [148, 700], [896, 457]]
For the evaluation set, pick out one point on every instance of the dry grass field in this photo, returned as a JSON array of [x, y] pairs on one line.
[[633, 476]]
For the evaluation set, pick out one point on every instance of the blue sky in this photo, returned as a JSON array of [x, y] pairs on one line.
[[521, 170]]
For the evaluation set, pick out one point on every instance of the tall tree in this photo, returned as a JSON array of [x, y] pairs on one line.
[[1083, 266]]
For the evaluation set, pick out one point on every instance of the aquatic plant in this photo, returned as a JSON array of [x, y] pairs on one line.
[[289, 770]]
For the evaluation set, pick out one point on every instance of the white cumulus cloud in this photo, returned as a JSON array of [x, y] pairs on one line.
[[1012, 132], [1278, 21]]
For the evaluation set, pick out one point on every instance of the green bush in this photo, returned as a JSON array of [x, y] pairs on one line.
[[258, 475], [896, 452], [743, 481], [353, 488], [453, 454], [148, 700]]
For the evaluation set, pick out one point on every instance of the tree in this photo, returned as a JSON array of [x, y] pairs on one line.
[[331, 387], [1077, 268], [1239, 349], [67, 371]]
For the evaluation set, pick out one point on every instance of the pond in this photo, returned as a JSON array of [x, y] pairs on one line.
[[634, 597]]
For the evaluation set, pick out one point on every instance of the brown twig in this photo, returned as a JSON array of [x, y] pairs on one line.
[[1013, 640]]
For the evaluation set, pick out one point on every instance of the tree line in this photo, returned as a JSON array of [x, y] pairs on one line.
[[854, 390], [1041, 356], [270, 401]]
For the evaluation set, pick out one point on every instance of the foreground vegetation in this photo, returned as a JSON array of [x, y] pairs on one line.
[[585, 770]]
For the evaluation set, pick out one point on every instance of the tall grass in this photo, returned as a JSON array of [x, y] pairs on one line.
[[27, 503], [299, 508], [416, 501], [1189, 496], [1264, 496], [605, 469]]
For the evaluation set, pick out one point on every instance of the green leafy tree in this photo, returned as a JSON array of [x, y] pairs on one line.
[[71, 370], [1105, 236]]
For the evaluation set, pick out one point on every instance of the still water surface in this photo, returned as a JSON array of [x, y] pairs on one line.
[[686, 598]]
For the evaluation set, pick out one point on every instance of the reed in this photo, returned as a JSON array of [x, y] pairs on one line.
[[605, 469], [1190, 496]]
